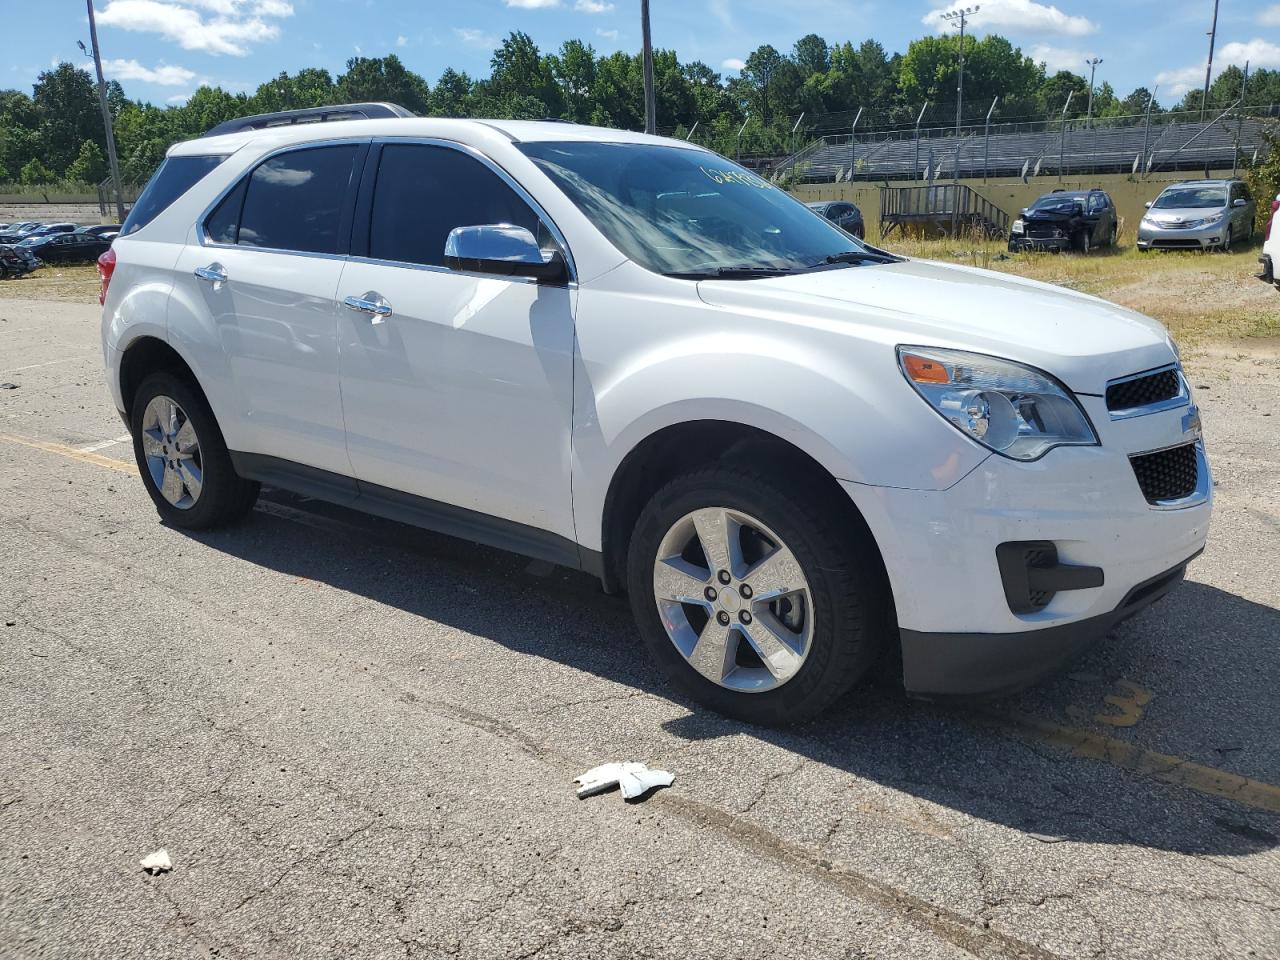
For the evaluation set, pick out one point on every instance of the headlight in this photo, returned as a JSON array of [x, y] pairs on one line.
[[1216, 218], [1015, 410], [1017, 226]]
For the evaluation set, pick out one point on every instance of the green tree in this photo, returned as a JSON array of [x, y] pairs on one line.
[[452, 95], [520, 71], [1055, 90], [371, 79], [574, 70], [811, 55], [1264, 177], [1135, 104], [35, 173], [66, 103], [89, 166]]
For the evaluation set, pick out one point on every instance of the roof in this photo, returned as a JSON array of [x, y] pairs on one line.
[[515, 131]]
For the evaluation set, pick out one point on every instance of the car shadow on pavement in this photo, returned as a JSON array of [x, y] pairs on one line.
[[947, 754]]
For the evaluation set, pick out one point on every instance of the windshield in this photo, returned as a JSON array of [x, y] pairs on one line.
[[1183, 198], [1056, 202], [682, 211]]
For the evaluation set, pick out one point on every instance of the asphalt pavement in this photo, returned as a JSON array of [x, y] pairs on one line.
[[357, 739]]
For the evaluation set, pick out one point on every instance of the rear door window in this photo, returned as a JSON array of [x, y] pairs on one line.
[[294, 201], [175, 177], [423, 192]]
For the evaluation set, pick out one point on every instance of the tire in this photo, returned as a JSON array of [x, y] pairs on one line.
[[220, 496], [1082, 242], [1228, 240], [844, 607], [1111, 238]]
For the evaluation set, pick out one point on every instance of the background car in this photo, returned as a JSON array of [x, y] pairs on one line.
[[1064, 220], [108, 231], [15, 262], [1198, 215], [16, 231], [66, 247], [843, 214], [49, 229]]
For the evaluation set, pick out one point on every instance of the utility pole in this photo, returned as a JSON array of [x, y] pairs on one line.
[[112, 160], [962, 15], [1208, 70], [650, 104], [1093, 66], [1062, 142]]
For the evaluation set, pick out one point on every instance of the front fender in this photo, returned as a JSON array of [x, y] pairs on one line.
[[840, 399]]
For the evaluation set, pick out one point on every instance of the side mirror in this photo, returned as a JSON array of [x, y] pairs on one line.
[[1239, 202], [1147, 204], [503, 249]]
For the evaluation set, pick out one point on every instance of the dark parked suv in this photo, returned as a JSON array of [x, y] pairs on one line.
[[843, 214], [1066, 220]]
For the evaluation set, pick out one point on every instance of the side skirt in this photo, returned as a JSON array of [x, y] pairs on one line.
[[417, 511]]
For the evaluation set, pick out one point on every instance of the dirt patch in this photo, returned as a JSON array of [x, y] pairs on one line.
[[72, 284]]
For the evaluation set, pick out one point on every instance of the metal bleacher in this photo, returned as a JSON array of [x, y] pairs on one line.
[[1076, 147]]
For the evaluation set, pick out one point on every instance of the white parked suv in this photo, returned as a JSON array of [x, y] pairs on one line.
[[628, 355], [1270, 258]]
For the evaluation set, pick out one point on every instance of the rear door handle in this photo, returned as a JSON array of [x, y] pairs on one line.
[[372, 303], [214, 273]]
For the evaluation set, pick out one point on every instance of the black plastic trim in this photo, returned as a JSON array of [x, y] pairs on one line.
[[1031, 567], [417, 511], [285, 118], [988, 664]]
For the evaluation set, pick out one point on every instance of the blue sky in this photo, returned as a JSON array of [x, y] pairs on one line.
[[161, 50]]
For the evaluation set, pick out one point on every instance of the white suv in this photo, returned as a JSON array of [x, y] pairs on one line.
[[626, 354]]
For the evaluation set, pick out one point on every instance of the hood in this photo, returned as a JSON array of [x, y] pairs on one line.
[[1081, 340], [1175, 216]]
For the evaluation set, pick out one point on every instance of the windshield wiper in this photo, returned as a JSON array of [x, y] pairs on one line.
[[732, 273], [853, 256]]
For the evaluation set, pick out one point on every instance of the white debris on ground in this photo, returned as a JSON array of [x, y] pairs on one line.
[[157, 863], [633, 779]]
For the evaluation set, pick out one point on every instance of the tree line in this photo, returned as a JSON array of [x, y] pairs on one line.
[[56, 133]]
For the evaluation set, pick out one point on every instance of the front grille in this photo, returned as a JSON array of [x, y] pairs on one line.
[[1143, 391], [1174, 243], [1036, 232], [1167, 474]]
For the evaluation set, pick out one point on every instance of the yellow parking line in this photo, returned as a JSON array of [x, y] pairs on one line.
[[49, 446], [1127, 756], [1018, 725]]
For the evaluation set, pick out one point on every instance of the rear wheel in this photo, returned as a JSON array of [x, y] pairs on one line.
[[1111, 238], [752, 598], [182, 457]]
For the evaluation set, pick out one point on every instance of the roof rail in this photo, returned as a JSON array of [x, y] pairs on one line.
[[285, 118]]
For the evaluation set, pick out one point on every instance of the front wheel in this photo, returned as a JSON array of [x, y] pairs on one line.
[[752, 597], [182, 457], [1228, 240], [1083, 241]]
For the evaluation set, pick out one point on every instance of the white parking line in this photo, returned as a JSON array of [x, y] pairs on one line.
[[47, 363], [103, 444]]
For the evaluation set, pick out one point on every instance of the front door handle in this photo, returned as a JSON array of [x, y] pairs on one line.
[[214, 273], [372, 303]]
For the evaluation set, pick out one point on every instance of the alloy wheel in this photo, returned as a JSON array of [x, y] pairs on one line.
[[172, 452], [733, 600]]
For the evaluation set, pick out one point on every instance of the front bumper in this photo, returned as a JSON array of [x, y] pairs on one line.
[[1268, 274], [960, 633], [1163, 238], [1053, 244]]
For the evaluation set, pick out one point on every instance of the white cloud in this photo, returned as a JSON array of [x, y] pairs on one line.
[[1059, 58], [165, 74], [476, 38], [179, 99], [533, 4], [1270, 17], [1025, 15], [610, 35], [228, 31], [1256, 52], [593, 6], [733, 63], [720, 10]]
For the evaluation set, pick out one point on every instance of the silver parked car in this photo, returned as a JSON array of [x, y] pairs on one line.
[[1198, 215]]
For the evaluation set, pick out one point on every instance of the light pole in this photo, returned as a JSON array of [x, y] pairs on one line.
[[650, 104], [962, 15], [1093, 66], [1208, 70], [112, 160]]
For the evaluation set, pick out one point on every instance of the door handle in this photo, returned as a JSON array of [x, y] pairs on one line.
[[214, 273], [372, 303]]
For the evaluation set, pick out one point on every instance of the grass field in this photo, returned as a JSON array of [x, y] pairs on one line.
[[1202, 298]]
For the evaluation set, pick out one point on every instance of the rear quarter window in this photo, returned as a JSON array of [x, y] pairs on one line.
[[175, 177]]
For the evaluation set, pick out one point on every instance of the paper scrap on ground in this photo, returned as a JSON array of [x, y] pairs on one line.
[[633, 779], [158, 862]]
